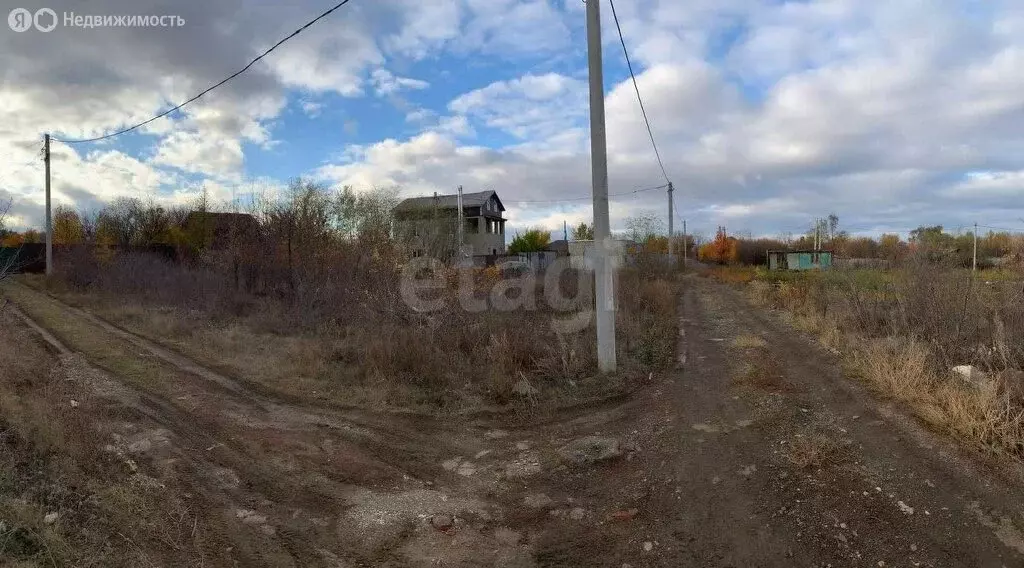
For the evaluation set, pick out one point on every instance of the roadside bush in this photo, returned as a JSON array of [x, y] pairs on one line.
[[305, 295]]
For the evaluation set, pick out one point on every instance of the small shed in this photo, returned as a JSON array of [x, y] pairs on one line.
[[799, 259]]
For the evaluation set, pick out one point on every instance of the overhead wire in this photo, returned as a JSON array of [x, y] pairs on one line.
[[568, 199], [222, 82], [636, 87]]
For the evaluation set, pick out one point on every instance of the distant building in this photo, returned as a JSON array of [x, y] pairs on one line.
[[559, 247], [799, 259], [429, 225]]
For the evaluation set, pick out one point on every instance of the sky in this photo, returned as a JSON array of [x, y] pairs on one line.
[[767, 113]]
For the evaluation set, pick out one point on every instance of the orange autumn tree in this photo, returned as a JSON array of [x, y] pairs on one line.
[[722, 250]]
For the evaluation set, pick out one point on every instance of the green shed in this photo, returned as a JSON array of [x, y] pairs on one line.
[[799, 259]]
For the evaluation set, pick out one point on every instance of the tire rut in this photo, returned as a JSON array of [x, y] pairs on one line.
[[907, 494], [298, 468]]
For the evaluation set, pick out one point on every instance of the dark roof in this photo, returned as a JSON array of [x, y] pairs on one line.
[[449, 201], [560, 245]]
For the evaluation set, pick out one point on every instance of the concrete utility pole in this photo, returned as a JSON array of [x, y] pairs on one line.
[[604, 273], [974, 262], [670, 219], [461, 223], [565, 231], [49, 217]]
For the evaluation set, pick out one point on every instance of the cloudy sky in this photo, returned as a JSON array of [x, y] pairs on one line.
[[890, 114]]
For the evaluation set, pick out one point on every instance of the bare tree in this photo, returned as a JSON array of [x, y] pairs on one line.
[[6, 260]]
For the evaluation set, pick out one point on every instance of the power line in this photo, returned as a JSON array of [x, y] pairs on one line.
[[1002, 229], [663, 186], [639, 99], [228, 78]]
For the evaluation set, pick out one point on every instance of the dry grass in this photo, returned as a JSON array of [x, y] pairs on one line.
[[897, 367], [384, 356], [983, 417], [762, 371], [730, 274], [813, 451], [51, 461], [748, 341], [902, 337]]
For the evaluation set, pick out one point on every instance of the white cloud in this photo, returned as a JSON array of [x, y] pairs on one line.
[[766, 113], [507, 28], [312, 109], [532, 106], [387, 83], [191, 152]]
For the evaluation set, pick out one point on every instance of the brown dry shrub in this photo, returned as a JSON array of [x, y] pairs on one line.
[[763, 371], [811, 451], [332, 322], [647, 320], [761, 293], [898, 367]]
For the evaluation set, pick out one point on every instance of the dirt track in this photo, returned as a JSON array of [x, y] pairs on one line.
[[797, 468], [724, 477]]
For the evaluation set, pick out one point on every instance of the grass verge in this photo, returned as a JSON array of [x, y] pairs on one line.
[[901, 332]]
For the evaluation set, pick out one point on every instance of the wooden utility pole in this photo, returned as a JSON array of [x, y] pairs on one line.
[[604, 273], [49, 217], [686, 244]]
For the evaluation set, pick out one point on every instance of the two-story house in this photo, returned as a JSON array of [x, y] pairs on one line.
[[429, 225]]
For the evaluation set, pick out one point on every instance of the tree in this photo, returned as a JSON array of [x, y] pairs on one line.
[[365, 216], [532, 240], [890, 247], [833, 226], [118, 223], [67, 226], [583, 232], [32, 236], [722, 250], [929, 237], [6, 263], [644, 228]]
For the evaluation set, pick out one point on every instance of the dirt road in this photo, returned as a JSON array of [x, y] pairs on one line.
[[760, 453], [755, 451]]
